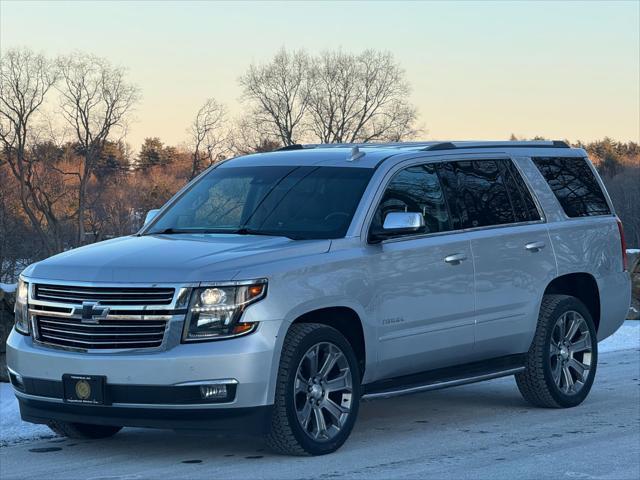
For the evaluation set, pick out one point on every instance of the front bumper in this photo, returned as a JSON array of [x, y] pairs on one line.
[[253, 420], [137, 380]]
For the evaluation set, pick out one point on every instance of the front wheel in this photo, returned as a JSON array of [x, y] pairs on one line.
[[317, 392], [561, 363]]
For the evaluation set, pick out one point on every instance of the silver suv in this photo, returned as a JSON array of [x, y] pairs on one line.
[[278, 290]]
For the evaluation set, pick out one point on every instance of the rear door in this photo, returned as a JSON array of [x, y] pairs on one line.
[[512, 253]]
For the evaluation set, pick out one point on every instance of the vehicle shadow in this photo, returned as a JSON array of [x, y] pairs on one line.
[[457, 408]]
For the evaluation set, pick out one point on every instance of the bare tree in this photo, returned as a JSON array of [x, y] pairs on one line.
[[95, 101], [208, 136], [336, 97], [245, 139], [25, 80], [279, 94], [359, 98]]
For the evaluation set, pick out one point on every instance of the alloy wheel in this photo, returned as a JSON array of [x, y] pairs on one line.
[[570, 352], [322, 391]]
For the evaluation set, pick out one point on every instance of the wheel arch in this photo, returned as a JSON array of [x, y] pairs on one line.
[[347, 321], [581, 285]]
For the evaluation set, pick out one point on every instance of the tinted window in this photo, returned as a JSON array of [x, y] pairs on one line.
[[292, 201], [575, 186], [522, 203], [415, 189], [476, 193]]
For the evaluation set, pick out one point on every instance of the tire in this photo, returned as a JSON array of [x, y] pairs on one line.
[[553, 363], [297, 398], [82, 430]]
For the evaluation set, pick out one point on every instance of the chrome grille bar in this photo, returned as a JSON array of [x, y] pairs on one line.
[[130, 296], [98, 326], [94, 344], [135, 316], [93, 334], [105, 334]]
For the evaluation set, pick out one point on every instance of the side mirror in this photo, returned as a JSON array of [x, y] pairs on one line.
[[151, 214], [397, 223], [402, 222]]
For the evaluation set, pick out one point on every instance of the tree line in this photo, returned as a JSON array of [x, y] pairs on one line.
[[68, 177]]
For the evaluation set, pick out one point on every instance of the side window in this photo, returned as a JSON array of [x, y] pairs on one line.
[[574, 185], [415, 189], [521, 200], [476, 193]]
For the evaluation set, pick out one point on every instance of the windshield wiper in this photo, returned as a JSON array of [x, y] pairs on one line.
[[230, 231], [168, 231], [249, 231]]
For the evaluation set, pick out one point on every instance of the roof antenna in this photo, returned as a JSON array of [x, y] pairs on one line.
[[356, 154]]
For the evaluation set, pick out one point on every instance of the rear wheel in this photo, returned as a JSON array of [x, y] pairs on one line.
[[317, 394], [82, 430], [561, 363]]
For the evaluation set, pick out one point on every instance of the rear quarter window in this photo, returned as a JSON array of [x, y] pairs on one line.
[[574, 185]]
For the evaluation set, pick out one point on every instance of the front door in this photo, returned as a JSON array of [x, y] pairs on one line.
[[423, 281]]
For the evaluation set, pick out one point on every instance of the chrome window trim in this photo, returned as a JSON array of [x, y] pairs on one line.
[[459, 231], [439, 159], [578, 219]]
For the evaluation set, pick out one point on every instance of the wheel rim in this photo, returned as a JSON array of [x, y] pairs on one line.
[[322, 391], [571, 352]]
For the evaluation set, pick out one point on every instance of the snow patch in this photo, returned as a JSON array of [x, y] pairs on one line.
[[12, 428], [626, 338]]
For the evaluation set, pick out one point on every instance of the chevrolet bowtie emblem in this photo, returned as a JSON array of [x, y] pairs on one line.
[[91, 312]]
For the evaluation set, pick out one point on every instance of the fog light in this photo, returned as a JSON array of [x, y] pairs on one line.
[[213, 392], [16, 379]]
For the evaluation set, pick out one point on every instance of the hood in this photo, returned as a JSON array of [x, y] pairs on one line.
[[182, 258]]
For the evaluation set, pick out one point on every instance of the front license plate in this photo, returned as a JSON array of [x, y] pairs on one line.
[[83, 388]]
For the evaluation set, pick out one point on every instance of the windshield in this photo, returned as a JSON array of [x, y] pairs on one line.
[[292, 201]]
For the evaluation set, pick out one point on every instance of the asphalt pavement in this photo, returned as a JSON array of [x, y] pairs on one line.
[[479, 431]]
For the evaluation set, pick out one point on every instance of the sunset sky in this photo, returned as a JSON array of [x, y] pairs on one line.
[[478, 70]]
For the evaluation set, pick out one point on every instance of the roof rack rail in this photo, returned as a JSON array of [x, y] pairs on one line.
[[293, 146], [505, 144]]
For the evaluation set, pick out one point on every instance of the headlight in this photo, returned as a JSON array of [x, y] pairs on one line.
[[215, 312], [21, 309]]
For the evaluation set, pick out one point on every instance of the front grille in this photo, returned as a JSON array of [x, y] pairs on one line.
[[105, 334], [105, 295], [102, 318]]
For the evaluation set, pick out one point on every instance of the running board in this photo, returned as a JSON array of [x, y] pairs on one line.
[[445, 377]]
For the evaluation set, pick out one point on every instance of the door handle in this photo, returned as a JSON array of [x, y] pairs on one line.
[[455, 259], [534, 246]]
